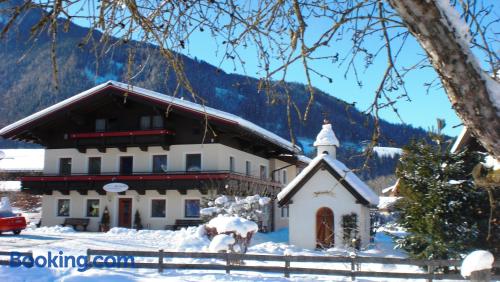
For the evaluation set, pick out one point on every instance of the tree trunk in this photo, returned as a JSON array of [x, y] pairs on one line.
[[462, 79]]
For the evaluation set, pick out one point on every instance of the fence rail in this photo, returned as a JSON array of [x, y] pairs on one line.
[[7, 261], [232, 262]]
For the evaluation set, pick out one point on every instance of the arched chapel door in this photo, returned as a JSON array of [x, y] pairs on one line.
[[324, 228]]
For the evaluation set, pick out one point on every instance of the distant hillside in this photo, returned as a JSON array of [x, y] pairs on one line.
[[27, 87]]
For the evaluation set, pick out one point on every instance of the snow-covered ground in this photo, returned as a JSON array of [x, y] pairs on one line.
[[56, 239], [21, 159]]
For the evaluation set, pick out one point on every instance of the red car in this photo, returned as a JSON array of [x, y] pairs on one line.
[[9, 221]]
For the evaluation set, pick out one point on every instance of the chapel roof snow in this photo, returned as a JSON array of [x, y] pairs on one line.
[[349, 179], [158, 97], [326, 137]]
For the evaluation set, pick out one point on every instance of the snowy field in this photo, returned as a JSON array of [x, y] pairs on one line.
[[56, 239]]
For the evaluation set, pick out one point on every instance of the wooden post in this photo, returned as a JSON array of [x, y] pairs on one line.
[[287, 266], [87, 259], [353, 268], [160, 261], [481, 276], [228, 264], [430, 270]]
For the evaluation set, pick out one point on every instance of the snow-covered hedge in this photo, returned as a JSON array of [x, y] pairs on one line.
[[240, 230], [245, 207], [476, 261]]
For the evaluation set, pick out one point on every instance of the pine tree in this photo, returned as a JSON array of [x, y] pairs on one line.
[[444, 213], [137, 220]]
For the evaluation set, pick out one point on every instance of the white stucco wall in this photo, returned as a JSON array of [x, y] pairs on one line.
[[305, 204], [78, 204], [213, 157]]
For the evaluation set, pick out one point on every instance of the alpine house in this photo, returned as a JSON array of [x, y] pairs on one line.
[[328, 205], [134, 153]]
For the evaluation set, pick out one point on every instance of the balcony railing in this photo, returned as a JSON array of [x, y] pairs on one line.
[[112, 176], [141, 181], [87, 135]]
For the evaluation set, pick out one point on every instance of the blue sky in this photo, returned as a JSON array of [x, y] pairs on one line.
[[422, 111]]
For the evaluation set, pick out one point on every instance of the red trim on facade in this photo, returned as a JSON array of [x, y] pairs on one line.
[[121, 133], [127, 177]]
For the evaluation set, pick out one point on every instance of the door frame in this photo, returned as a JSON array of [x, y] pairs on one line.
[[117, 210]]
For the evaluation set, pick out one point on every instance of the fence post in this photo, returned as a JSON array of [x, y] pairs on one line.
[[160, 261], [430, 270], [353, 268], [228, 263], [287, 266], [87, 259]]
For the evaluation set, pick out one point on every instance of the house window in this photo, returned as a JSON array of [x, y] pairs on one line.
[[285, 177], [231, 164], [159, 163], [263, 172], [100, 125], [63, 207], [248, 168], [95, 165], [157, 122], [158, 208], [192, 208], [193, 162], [145, 122], [65, 166], [92, 208], [276, 176], [126, 165], [284, 212]]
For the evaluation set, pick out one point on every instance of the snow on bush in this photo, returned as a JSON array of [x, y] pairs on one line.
[[475, 261], [221, 242], [5, 205], [238, 228], [246, 207], [233, 224]]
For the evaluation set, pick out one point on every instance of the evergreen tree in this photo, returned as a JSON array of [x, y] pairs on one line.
[[444, 213], [137, 220]]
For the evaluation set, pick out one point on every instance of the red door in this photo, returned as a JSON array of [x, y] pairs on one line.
[[125, 212], [324, 228]]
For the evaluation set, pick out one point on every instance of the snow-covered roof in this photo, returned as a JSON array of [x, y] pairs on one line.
[[391, 189], [461, 139], [304, 159], [10, 186], [387, 152], [155, 96], [326, 137], [387, 202], [345, 174], [21, 159]]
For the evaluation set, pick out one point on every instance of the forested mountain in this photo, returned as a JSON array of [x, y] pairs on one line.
[[26, 85]]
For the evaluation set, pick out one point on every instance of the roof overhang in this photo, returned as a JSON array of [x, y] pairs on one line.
[[211, 114], [288, 192]]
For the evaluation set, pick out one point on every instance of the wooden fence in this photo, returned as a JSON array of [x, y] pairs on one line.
[[7, 261], [237, 262]]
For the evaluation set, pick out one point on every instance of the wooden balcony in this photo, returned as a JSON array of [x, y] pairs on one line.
[[222, 181], [121, 139]]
